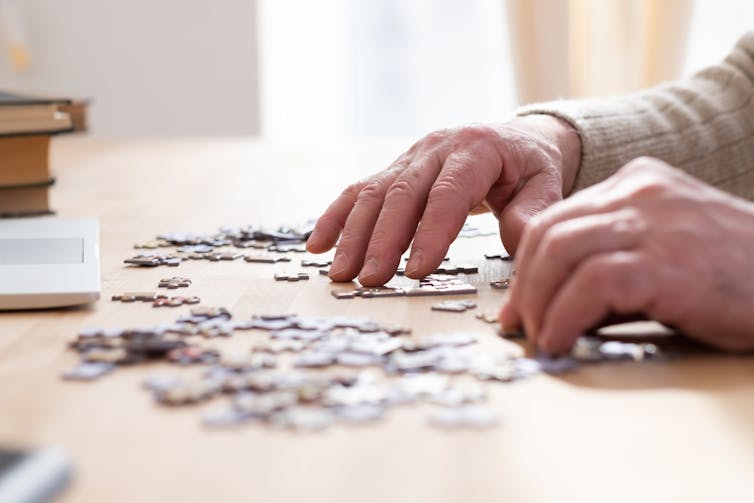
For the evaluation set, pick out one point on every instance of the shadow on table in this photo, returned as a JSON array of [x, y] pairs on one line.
[[83, 308], [684, 364]]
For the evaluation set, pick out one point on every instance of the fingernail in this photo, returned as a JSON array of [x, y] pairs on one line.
[[414, 262], [339, 263], [369, 269]]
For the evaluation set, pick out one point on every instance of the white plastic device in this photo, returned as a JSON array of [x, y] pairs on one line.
[[48, 262]]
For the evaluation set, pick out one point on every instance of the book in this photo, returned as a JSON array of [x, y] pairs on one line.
[[27, 124], [77, 111], [23, 114], [24, 159], [25, 199]]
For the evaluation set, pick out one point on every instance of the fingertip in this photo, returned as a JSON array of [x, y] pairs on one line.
[[554, 344], [340, 270], [340, 277], [370, 274], [322, 239], [508, 315], [373, 280], [421, 264], [423, 271], [415, 262], [315, 246], [324, 235]]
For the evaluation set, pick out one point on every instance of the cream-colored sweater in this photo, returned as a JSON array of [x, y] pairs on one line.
[[704, 125]]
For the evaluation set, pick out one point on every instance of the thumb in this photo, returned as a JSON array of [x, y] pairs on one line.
[[538, 193]]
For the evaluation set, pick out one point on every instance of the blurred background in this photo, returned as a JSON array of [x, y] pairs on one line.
[[303, 70]]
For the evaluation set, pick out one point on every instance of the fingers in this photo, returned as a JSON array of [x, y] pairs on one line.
[[525, 217], [349, 258], [460, 187], [541, 191], [583, 203], [397, 221], [562, 248], [620, 282], [327, 229]]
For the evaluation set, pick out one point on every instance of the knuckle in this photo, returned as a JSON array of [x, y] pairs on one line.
[[372, 192], [555, 243], [640, 180], [650, 187], [631, 222], [352, 191], [537, 225], [403, 188], [474, 133], [435, 137], [447, 190]]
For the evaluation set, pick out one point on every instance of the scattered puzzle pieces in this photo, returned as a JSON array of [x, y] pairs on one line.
[[502, 256], [174, 282], [488, 317], [285, 276], [265, 259], [138, 296], [316, 263], [434, 284], [176, 301], [154, 260], [447, 269], [502, 284], [454, 306]]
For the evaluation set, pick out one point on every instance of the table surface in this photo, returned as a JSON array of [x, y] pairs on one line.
[[678, 430]]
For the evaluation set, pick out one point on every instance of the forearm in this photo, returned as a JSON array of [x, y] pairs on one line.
[[704, 125]]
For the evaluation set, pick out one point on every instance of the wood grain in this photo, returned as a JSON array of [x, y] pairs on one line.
[[679, 430]]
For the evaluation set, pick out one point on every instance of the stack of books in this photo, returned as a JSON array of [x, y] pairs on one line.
[[26, 127]]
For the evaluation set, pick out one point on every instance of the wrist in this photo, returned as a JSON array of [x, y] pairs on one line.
[[569, 144], [566, 140]]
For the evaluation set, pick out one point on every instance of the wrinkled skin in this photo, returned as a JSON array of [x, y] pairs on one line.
[[514, 169], [650, 239]]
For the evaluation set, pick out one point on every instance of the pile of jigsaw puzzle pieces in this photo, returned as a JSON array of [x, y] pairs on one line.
[[307, 373], [277, 244]]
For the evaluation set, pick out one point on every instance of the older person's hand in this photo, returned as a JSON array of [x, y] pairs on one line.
[[514, 169], [651, 240]]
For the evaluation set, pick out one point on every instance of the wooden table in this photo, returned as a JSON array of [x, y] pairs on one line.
[[679, 430]]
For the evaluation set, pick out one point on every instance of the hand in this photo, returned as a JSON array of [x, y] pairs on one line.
[[650, 239], [514, 170]]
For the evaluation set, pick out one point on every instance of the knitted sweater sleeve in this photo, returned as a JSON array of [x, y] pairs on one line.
[[704, 125]]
